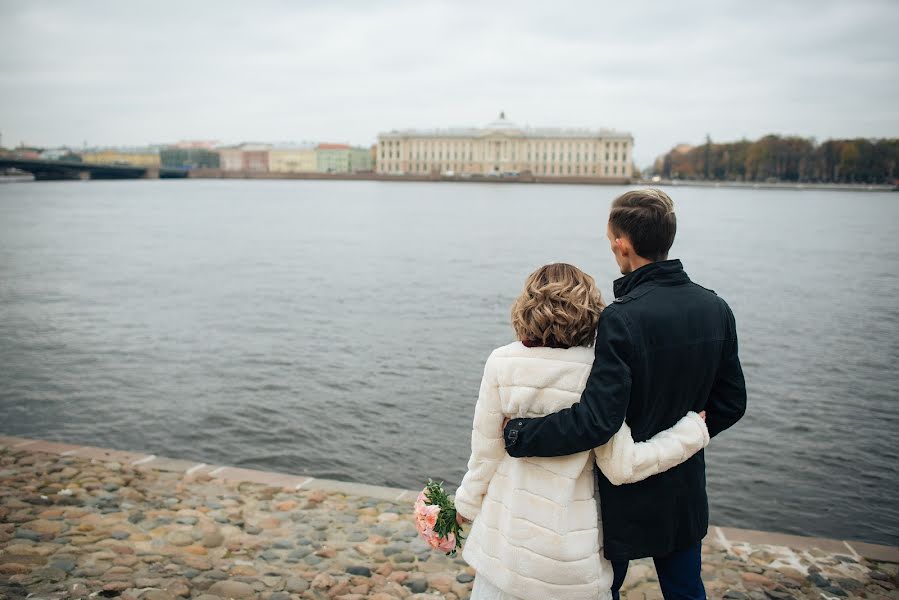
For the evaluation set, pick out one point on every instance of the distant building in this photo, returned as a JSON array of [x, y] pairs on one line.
[[658, 165], [360, 160], [139, 157], [230, 159], [27, 152], [207, 144], [332, 158], [255, 157], [63, 154], [292, 158], [251, 158], [342, 158], [503, 147], [191, 157]]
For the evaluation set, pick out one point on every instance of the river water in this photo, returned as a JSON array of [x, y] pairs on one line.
[[339, 329]]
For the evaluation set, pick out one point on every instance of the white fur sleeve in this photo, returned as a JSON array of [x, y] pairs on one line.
[[622, 460], [487, 447]]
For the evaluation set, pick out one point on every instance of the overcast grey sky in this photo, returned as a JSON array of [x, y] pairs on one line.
[[138, 72]]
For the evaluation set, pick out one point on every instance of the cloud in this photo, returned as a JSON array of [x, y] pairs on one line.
[[140, 72]]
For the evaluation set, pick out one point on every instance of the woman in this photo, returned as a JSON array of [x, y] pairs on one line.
[[536, 532]]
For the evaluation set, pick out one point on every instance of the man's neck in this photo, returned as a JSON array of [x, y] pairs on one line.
[[639, 261], [669, 271]]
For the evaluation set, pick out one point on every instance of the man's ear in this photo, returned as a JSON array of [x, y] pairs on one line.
[[624, 246]]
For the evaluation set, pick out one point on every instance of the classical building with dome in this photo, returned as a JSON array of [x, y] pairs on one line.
[[504, 148]]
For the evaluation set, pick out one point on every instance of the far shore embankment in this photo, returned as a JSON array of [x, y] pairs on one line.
[[369, 176], [530, 178], [772, 185], [170, 173], [79, 522]]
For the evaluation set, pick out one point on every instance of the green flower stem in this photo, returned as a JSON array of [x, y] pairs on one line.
[[446, 524]]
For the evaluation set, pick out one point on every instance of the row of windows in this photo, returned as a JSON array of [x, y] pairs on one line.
[[545, 158], [422, 168], [456, 155], [552, 145], [436, 149]]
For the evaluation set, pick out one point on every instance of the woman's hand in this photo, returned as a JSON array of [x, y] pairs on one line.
[[462, 521], [702, 415]]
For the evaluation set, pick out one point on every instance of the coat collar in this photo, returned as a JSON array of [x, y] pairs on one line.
[[664, 272]]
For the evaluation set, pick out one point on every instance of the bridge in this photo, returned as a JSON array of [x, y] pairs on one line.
[[49, 170]]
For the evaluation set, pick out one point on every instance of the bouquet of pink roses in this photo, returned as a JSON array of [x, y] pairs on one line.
[[435, 518]]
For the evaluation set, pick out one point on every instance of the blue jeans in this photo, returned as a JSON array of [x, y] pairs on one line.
[[679, 574]]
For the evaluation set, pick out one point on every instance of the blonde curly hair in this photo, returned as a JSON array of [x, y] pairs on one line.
[[559, 306]]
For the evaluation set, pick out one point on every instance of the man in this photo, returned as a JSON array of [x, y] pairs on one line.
[[664, 347]]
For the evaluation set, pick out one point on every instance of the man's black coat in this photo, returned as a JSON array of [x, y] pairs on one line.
[[664, 347]]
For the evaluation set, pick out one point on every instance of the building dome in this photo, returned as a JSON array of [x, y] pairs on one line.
[[502, 123]]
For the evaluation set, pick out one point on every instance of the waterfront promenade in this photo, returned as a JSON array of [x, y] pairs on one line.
[[79, 522]]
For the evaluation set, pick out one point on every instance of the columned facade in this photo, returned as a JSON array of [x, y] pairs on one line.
[[503, 148]]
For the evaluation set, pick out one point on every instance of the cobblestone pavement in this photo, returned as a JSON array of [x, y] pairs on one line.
[[74, 527]]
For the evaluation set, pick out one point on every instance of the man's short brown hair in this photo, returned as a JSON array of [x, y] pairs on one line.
[[646, 218]]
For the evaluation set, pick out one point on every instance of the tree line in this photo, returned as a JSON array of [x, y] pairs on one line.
[[786, 158]]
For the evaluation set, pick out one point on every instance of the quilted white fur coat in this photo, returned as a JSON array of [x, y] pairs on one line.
[[537, 533]]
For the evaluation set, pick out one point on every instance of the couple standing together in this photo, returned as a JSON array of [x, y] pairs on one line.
[[585, 458]]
